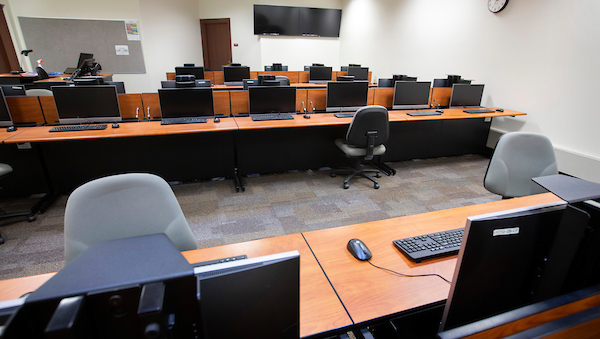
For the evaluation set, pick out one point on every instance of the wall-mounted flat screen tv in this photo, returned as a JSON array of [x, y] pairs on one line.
[[323, 22], [275, 20]]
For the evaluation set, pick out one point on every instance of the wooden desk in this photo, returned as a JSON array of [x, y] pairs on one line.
[[320, 309], [125, 130], [454, 113], [370, 293]]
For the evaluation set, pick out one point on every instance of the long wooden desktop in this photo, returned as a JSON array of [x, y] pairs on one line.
[[329, 271]]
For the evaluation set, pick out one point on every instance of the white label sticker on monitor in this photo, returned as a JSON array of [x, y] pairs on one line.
[[506, 231]]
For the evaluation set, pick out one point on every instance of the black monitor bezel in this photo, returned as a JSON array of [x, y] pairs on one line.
[[359, 72], [317, 73], [65, 102], [458, 89], [228, 73], [9, 121], [416, 104], [197, 71], [194, 93], [278, 91], [351, 107]]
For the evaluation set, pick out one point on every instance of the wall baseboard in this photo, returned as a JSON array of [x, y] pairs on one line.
[[572, 163]]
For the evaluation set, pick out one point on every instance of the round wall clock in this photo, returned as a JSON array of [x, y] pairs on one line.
[[496, 6]]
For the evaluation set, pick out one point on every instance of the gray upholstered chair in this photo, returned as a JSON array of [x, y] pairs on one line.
[[5, 170], [38, 92], [368, 131], [283, 80], [518, 157], [121, 206]]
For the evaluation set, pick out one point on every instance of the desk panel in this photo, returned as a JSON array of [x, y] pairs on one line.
[[130, 104], [25, 110], [151, 105], [370, 293], [49, 109], [320, 309]]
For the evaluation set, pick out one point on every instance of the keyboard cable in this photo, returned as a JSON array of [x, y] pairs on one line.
[[411, 275]]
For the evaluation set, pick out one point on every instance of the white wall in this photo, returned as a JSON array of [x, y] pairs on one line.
[[257, 51], [169, 31], [536, 56]]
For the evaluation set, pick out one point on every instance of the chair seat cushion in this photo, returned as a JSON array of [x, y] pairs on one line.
[[5, 169], [353, 151]]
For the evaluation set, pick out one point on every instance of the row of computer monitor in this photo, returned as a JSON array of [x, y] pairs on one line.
[[234, 75], [83, 104]]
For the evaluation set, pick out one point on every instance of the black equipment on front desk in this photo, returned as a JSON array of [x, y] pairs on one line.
[[143, 287]]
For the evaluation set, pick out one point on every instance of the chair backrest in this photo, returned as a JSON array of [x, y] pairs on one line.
[[38, 92], [121, 206], [518, 157], [41, 73], [5, 169], [285, 81], [368, 118]]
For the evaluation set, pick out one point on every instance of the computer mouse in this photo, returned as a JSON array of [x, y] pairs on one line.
[[115, 125], [359, 250], [499, 110], [439, 110], [11, 128], [306, 116], [217, 120]]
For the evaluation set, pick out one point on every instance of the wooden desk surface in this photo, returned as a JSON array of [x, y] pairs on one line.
[[4, 135], [454, 113], [126, 129], [368, 292], [320, 309], [20, 75]]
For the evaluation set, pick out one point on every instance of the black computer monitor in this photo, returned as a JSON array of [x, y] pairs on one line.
[[197, 71], [13, 90], [188, 102], [466, 95], [235, 75], [319, 74], [268, 99], [511, 259], [411, 94], [359, 73], [86, 104], [119, 84], [5, 117], [346, 95], [268, 288], [83, 57]]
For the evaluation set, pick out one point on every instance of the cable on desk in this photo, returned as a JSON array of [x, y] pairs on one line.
[[411, 275]]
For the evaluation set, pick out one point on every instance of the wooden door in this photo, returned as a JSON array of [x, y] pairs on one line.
[[216, 43], [8, 56]]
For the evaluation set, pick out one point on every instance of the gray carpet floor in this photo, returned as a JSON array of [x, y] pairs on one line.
[[272, 205]]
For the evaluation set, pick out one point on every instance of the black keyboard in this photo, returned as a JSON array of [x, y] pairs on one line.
[[422, 113], [344, 115], [264, 117], [182, 121], [77, 128], [431, 245], [219, 261], [484, 110]]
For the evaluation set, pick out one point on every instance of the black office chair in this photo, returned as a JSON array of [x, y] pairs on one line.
[[368, 131], [41, 73], [5, 170]]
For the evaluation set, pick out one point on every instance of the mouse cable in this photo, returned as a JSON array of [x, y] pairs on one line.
[[411, 275]]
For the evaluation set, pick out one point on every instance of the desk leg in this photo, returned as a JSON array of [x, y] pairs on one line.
[[238, 180], [47, 200]]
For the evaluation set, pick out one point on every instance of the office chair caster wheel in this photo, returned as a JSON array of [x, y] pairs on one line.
[[332, 175], [376, 186], [1, 240], [346, 185], [377, 175], [31, 218]]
